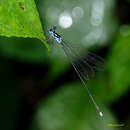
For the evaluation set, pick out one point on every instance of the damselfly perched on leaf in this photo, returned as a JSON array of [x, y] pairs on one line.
[[85, 66]]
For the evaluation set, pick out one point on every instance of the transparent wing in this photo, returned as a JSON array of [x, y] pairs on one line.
[[86, 63], [83, 68]]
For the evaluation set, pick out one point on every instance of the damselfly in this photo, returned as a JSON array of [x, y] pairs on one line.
[[84, 67]]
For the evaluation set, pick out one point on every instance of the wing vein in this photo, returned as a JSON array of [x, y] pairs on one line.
[[80, 76]]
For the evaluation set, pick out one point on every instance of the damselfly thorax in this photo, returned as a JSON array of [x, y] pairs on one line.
[[55, 35]]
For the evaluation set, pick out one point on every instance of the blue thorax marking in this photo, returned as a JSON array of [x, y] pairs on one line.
[[50, 32], [56, 36]]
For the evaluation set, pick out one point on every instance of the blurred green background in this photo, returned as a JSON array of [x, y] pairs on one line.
[[39, 90]]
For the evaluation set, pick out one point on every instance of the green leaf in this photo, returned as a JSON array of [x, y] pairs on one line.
[[20, 18], [119, 64], [69, 109]]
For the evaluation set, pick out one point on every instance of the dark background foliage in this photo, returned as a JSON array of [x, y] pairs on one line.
[[40, 90]]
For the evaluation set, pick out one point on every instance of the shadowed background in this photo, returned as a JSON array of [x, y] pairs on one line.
[[41, 91]]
